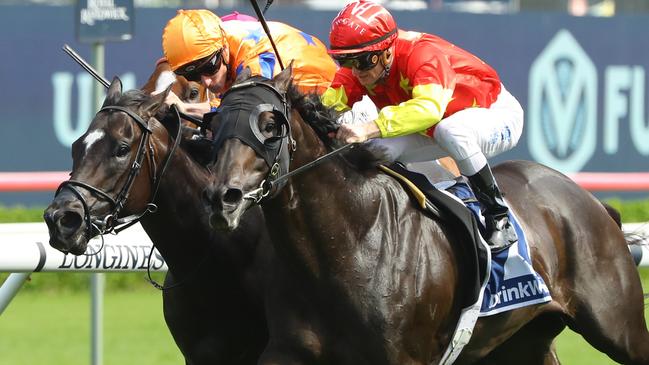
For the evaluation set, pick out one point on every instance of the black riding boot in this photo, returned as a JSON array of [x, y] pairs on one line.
[[500, 232]]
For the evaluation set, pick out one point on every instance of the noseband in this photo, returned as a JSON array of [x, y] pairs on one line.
[[111, 223]]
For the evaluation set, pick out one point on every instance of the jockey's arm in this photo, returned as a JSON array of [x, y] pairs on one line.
[[424, 110]]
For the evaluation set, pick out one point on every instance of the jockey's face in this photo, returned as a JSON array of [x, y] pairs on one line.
[[216, 82], [369, 77]]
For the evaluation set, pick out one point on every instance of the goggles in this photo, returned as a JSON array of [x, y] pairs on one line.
[[204, 67], [360, 61]]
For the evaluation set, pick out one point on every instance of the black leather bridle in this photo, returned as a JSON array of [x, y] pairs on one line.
[[240, 109], [246, 101], [112, 222]]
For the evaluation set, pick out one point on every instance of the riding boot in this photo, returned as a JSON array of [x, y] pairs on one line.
[[500, 232]]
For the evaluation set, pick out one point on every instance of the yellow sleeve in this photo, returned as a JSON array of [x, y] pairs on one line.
[[335, 98], [425, 109]]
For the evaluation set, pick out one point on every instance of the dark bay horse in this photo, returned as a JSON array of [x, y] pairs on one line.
[[366, 278], [213, 302]]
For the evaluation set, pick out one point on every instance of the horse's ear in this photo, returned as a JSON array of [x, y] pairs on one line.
[[244, 75], [150, 107], [114, 91], [284, 78]]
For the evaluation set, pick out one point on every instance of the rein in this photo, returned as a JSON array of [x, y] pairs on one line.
[[267, 186]]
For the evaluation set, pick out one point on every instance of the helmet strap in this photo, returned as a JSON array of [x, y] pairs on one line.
[[386, 62]]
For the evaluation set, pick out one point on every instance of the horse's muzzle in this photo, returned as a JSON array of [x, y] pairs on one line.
[[66, 227], [224, 206]]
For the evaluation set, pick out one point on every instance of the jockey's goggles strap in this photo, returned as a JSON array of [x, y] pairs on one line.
[[365, 44]]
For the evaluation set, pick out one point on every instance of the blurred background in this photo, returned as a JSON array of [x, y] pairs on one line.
[[578, 67]]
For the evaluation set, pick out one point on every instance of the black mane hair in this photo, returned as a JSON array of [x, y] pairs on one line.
[[323, 120]]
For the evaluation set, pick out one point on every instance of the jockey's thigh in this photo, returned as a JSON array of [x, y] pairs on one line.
[[472, 135], [410, 148]]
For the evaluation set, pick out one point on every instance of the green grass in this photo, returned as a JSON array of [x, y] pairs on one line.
[[48, 323], [54, 329]]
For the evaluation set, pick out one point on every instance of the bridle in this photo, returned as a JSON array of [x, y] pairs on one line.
[[245, 102], [278, 150], [112, 222]]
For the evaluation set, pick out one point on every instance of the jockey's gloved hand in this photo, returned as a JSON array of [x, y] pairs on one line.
[[360, 113]]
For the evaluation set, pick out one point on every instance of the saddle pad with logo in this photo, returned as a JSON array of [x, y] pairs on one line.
[[513, 283]]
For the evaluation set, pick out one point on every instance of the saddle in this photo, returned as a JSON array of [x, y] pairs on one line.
[[498, 282], [453, 212]]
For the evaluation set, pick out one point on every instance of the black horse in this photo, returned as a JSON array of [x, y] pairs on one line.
[[213, 306], [367, 278]]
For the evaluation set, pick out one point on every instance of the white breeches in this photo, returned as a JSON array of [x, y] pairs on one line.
[[469, 136]]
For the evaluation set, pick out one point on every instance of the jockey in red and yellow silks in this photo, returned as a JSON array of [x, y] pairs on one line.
[[197, 43], [434, 98], [429, 79]]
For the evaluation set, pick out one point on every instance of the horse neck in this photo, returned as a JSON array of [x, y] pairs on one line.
[[179, 228], [326, 199]]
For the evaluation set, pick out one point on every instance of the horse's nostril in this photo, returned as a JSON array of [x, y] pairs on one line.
[[70, 220], [232, 196], [48, 217]]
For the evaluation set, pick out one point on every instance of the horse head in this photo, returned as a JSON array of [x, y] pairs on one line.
[[162, 77], [257, 132], [113, 159]]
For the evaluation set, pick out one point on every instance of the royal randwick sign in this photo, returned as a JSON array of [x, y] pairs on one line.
[[104, 20]]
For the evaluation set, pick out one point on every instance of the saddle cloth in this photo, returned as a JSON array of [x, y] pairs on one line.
[[513, 283]]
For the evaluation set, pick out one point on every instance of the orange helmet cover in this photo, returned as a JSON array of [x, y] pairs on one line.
[[190, 36]]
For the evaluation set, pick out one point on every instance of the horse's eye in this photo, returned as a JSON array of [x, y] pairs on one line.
[[270, 127], [122, 150], [193, 94]]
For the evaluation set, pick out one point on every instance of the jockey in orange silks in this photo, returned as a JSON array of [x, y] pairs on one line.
[[201, 47]]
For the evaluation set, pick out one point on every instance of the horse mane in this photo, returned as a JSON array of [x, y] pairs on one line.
[[323, 120]]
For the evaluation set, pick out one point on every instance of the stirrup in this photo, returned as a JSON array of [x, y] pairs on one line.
[[502, 234]]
